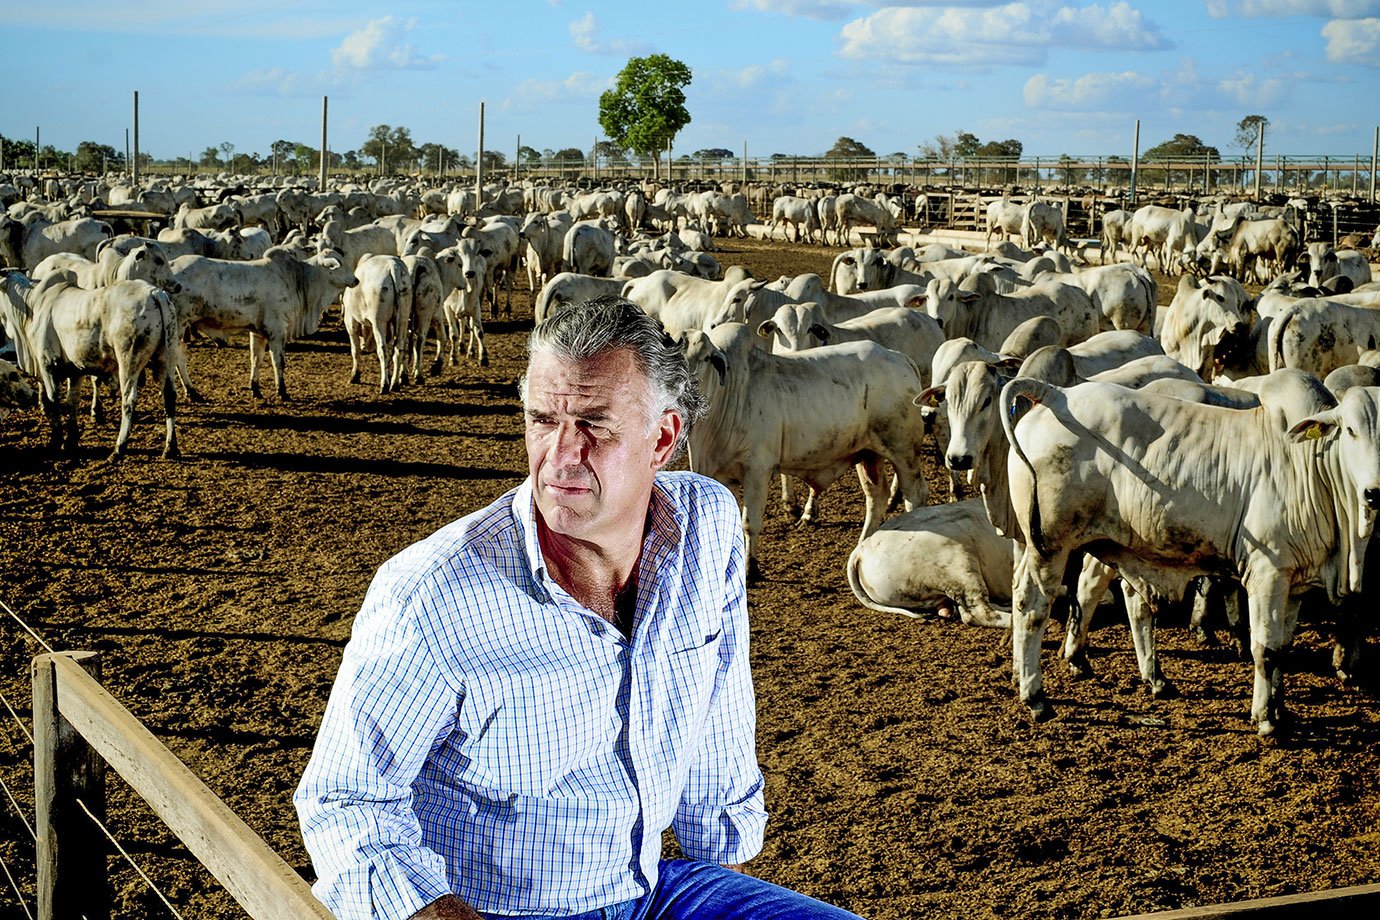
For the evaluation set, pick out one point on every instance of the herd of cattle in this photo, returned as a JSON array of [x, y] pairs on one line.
[[1228, 441]]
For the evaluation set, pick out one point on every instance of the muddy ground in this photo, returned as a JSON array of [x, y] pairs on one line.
[[903, 777]]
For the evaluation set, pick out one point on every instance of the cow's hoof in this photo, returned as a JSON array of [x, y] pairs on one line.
[[354, 378], [1040, 708], [1266, 729], [1204, 637], [484, 361], [754, 572], [1162, 689], [1079, 666]]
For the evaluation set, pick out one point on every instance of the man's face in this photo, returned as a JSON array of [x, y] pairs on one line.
[[595, 440]]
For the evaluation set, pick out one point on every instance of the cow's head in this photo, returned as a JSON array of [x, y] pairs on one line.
[[1354, 429]]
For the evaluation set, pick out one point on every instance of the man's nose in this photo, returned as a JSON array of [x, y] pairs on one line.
[[567, 445]]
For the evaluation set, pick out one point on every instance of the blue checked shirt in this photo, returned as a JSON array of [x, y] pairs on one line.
[[489, 736]]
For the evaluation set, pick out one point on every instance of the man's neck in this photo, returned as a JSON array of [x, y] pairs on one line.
[[602, 578]]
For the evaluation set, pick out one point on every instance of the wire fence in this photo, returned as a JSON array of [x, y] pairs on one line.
[[19, 855]]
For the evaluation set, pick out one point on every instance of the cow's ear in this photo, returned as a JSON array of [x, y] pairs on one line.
[[766, 328], [487, 253], [719, 361], [931, 397], [1314, 428], [818, 331], [967, 296], [916, 303]]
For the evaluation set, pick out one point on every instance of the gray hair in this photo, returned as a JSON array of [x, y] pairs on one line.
[[582, 331]]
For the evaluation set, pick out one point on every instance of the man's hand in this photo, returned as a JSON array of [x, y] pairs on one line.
[[447, 907]]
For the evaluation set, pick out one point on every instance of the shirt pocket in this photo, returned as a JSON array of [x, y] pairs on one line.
[[524, 732]]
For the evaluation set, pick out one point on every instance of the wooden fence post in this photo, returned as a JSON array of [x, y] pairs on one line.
[[72, 880]]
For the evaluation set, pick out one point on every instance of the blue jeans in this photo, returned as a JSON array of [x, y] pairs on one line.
[[690, 890]]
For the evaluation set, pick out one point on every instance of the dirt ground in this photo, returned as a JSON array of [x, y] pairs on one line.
[[904, 779]]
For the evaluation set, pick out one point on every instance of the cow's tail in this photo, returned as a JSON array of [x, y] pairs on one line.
[[1017, 398], [1151, 288], [855, 582], [1276, 341]]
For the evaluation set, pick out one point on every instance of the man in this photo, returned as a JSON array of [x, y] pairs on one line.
[[534, 693]]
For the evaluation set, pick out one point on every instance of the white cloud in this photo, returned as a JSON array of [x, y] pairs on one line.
[[839, 9], [382, 45], [279, 81], [1253, 9], [584, 32], [1012, 34], [754, 75], [1353, 42], [268, 19], [531, 93], [1250, 90], [1089, 93]]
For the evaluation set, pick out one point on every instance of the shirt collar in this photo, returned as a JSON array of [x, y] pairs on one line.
[[666, 519]]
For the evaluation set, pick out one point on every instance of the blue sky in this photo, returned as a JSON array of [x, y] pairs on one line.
[[788, 76]]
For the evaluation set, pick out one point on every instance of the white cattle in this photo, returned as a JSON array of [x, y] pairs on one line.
[[799, 213], [682, 302], [276, 299], [145, 262], [589, 248], [1319, 335], [810, 415], [854, 210], [544, 235], [62, 333], [569, 287], [1322, 262], [1207, 325], [379, 307], [1004, 215], [829, 221], [189, 242], [1042, 222], [356, 244], [1163, 232], [221, 216], [429, 289], [934, 557], [1284, 495], [42, 238], [1102, 352], [974, 308], [1249, 248], [1124, 294], [1116, 232], [800, 326], [498, 235], [809, 288], [464, 305]]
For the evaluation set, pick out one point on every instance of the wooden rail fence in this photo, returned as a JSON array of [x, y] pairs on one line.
[[79, 729]]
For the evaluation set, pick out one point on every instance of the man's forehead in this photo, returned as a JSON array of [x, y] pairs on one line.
[[606, 377]]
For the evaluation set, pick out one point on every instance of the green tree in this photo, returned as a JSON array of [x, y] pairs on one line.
[[569, 156], [391, 147], [848, 151], [1181, 146], [92, 157], [210, 157], [228, 149], [305, 159], [1248, 130], [646, 107], [966, 144], [529, 156]]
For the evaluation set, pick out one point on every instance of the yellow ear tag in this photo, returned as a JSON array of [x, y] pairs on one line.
[[1313, 433]]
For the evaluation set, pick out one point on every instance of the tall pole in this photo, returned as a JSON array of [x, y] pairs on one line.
[[1135, 162], [1259, 156], [479, 165], [322, 180], [38, 133], [129, 161], [1374, 155], [745, 166], [517, 158], [594, 158], [135, 167]]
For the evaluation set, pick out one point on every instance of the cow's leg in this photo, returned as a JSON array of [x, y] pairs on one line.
[[52, 403], [442, 343], [128, 379], [257, 344], [1094, 578], [163, 372], [1037, 581], [381, 348], [69, 415], [276, 352], [1272, 615], [1141, 617], [874, 493], [755, 488], [356, 349], [477, 337]]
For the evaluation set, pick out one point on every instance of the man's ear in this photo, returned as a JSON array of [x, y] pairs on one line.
[[668, 432]]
